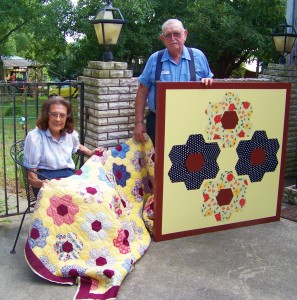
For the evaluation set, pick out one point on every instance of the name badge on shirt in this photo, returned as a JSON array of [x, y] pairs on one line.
[[165, 72]]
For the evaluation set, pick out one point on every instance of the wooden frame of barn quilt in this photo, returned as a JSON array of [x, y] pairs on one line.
[[220, 156]]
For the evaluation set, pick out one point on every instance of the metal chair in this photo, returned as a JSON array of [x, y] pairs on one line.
[[17, 154]]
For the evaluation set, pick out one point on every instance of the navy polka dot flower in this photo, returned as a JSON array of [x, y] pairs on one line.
[[257, 156], [194, 162]]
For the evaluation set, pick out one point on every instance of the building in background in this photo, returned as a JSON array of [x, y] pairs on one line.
[[16, 68]]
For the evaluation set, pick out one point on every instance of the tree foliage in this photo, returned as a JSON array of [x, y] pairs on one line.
[[230, 32]]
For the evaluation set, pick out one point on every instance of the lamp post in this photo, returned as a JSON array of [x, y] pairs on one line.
[[108, 25], [284, 37]]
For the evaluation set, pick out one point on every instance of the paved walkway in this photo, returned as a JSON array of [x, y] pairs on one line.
[[256, 262]]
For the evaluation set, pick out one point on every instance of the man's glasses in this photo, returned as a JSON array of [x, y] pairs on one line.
[[57, 115], [168, 36]]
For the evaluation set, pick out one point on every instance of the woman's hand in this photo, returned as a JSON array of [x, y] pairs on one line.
[[98, 149], [86, 151], [44, 182]]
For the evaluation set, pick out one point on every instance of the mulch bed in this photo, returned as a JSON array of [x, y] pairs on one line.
[[290, 213]]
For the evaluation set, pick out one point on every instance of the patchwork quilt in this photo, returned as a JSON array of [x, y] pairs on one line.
[[90, 229]]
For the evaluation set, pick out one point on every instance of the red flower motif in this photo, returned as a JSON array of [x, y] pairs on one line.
[[242, 202], [217, 118], [230, 177], [206, 197], [218, 217], [91, 190], [241, 134], [246, 105], [122, 242], [62, 210], [231, 107], [99, 153], [216, 137], [245, 182]]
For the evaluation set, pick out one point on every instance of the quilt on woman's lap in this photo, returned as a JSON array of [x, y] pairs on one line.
[[92, 227]]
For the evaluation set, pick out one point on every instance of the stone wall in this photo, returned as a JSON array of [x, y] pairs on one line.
[[287, 73], [109, 94]]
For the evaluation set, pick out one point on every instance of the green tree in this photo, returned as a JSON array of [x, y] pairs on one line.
[[35, 29], [232, 32]]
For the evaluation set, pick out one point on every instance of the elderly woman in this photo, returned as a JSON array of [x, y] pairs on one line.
[[49, 147]]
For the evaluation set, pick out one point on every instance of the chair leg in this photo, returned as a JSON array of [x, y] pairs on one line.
[[20, 227]]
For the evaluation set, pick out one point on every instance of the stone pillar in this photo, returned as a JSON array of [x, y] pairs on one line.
[[287, 73], [109, 101]]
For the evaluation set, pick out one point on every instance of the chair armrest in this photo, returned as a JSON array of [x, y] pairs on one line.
[[78, 159]]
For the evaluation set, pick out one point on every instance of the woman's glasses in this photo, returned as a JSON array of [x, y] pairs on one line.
[[57, 115]]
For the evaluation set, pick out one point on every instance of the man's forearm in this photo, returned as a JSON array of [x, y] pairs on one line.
[[140, 102]]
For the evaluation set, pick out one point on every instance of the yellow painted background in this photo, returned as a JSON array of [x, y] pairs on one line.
[[185, 115]]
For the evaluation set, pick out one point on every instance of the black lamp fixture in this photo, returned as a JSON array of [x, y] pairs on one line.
[[108, 25], [284, 37]]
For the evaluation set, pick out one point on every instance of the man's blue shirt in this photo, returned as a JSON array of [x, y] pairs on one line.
[[172, 71]]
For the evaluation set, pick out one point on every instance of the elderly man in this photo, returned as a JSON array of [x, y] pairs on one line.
[[175, 63]]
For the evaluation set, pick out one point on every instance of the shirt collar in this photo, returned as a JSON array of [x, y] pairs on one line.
[[48, 134], [167, 56]]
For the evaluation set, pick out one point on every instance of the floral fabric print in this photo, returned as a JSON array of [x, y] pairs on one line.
[[122, 241], [73, 271], [91, 193], [137, 190], [100, 157], [107, 177], [96, 226], [150, 156], [126, 204], [101, 257], [38, 234], [138, 161], [148, 184], [224, 197], [229, 120], [67, 246], [126, 235], [47, 263], [116, 205]]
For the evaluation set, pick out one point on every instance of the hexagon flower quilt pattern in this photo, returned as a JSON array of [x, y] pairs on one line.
[[257, 156], [194, 162], [90, 228], [229, 120], [224, 197]]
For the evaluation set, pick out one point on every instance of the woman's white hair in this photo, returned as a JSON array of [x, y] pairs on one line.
[[172, 21]]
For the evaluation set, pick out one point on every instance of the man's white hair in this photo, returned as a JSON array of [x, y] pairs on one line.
[[170, 22]]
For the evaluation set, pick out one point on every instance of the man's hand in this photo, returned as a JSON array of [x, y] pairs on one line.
[[139, 130], [207, 81]]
